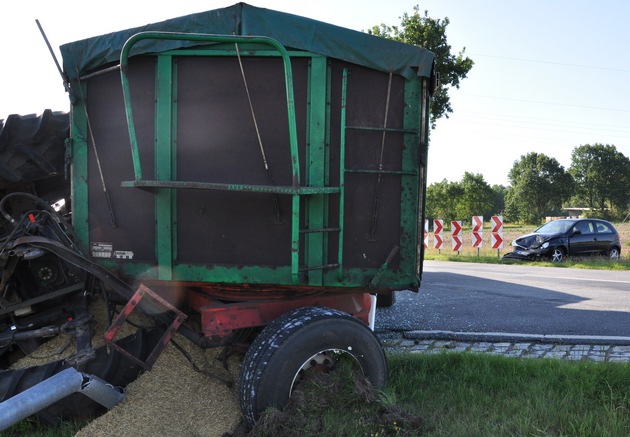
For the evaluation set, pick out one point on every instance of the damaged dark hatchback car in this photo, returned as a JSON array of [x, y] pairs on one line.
[[559, 239]]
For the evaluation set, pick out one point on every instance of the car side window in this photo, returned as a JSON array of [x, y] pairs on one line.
[[585, 227], [602, 228]]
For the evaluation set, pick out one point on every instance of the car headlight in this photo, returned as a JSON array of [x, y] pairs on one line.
[[545, 245]]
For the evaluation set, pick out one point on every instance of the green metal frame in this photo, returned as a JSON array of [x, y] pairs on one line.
[[316, 190], [165, 178]]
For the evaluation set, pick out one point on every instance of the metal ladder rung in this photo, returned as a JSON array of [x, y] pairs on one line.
[[310, 231], [380, 172], [383, 129], [324, 267]]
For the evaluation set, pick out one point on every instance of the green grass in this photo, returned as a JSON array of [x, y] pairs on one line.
[[595, 263], [473, 395], [467, 395], [32, 428]]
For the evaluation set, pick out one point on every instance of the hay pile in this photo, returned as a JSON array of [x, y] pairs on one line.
[[171, 399]]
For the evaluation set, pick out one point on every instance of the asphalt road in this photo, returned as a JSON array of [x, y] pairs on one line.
[[481, 298]]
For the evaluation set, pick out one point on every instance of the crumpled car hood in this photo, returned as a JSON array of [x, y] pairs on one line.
[[533, 241]]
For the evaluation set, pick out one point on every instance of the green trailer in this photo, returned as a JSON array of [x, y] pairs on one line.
[[258, 171]]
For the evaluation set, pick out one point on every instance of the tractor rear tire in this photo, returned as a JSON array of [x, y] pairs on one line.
[[300, 339], [32, 147]]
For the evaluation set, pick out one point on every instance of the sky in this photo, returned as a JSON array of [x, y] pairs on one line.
[[549, 75]]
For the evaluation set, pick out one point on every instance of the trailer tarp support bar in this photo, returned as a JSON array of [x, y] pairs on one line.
[[288, 80], [295, 190]]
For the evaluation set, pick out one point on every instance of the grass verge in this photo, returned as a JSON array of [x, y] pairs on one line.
[[463, 394], [594, 263], [467, 395]]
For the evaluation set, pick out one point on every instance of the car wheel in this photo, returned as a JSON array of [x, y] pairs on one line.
[[557, 255], [613, 254]]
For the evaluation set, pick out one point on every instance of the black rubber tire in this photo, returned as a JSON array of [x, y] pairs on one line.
[[275, 358], [32, 147]]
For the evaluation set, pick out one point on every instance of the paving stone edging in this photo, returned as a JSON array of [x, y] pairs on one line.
[[558, 347]]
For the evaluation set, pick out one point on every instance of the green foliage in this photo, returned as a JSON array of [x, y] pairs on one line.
[[498, 199], [477, 198], [602, 176], [461, 200], [442, 198], [430, 33], [539, 187]]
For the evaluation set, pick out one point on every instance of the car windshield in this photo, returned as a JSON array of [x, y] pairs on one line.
[[555, 227]]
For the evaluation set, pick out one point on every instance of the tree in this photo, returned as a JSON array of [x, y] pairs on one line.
[[498, 203], [460, 200], [442, 200], [429, 33], [539, 186], [477, 196], [602, 176]]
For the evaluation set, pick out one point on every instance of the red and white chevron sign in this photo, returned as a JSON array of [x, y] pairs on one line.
[[456, 235], [497, 232], [438, 226], [438, 229], [497, 223], [477, 239], [456, 242], [477, 231], [477, 223], [456, 227], [497, 240], [439, 241], [426, 234]]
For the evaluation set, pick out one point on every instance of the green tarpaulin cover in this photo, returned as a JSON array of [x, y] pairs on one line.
[[292, 31]]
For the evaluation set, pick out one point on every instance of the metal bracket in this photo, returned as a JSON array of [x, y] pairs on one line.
[[141, 292], [376, 279]]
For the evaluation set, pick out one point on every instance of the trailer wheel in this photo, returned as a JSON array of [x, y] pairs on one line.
[[303, 339]]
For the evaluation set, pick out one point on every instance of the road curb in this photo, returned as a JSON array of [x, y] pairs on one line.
[[564, 347], [507, 337]]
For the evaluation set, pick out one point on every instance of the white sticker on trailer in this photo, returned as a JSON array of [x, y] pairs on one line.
[[123, 254], [102, 250]]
